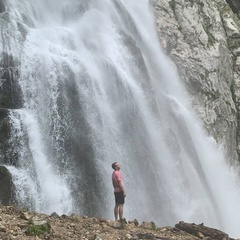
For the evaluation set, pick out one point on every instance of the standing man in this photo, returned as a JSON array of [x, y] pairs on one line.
[[119, 191]]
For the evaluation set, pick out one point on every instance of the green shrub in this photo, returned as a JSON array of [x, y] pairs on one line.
[[37, 229]]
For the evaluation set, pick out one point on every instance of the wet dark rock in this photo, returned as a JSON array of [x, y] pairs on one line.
[[2, 6], [6, 186], [10, 92], [4, 135], [235, 5], [3, 113]]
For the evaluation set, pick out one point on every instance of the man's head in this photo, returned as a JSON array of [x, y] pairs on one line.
[[116, 166]]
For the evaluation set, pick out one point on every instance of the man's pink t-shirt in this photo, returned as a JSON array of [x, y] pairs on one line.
[[116, 178]]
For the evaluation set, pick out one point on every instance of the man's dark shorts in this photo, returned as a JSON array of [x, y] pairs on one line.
[[119, 198]]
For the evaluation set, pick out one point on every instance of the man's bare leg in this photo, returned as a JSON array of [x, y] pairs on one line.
[[116, 211], [120, 207]]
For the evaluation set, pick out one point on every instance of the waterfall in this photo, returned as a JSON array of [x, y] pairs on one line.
[[97, 89]]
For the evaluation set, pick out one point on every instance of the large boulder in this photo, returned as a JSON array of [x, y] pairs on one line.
[[6, 186], [199, 230]]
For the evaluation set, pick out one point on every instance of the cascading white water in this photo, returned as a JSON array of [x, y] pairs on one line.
[[38, 185], [98, 89]]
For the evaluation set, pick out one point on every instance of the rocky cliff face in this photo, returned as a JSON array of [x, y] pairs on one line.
[[202, 38]]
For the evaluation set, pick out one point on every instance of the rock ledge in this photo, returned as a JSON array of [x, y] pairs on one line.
[[21, 224]]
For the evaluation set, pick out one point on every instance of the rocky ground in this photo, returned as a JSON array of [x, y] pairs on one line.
[[21, 224]]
